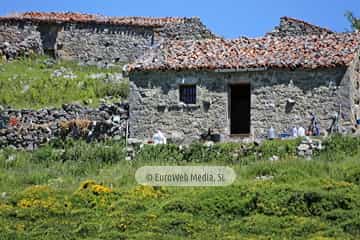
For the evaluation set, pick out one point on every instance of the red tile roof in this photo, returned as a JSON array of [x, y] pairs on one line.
[[91, 18], [309, 51]]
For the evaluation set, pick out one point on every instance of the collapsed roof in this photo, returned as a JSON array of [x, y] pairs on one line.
[[70, 17], [303, 51]]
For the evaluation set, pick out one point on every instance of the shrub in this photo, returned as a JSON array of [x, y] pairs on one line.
[[280, 148], [339, 146]]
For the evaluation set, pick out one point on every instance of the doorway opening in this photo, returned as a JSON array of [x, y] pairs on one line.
[[48, 35], [240, 104]]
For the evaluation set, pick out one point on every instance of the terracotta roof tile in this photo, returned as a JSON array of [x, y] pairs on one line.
[[308, 51], [91, 18]]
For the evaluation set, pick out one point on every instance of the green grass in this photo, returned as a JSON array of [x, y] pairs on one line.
[[49, 194], [28, 83]]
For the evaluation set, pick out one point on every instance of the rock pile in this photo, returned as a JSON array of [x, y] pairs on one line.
[[28, 128], [308, 147], [63, 73]]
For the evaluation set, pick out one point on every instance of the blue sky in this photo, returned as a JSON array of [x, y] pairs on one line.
[[229, 18]]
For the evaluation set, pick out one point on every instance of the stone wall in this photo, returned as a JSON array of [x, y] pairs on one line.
[[191, 28], [19, 39], [155, 104], [292, 27], [92, 42], [28, 129], [155, 101], [353, 74]]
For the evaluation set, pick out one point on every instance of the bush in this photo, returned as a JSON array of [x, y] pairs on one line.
[[113, 89], [225, 153], [280, 148], [340, 146], [304, 200]]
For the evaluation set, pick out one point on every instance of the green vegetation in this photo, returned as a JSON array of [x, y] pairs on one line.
[[33, 83], [355, 22], [75, 190]]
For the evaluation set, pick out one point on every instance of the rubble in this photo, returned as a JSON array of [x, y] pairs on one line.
[[273, 158], [209, 143], [63, 73], [308, 147], [264, 178]]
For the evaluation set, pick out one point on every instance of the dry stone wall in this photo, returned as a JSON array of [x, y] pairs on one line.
[[28, 129], [279, 98]]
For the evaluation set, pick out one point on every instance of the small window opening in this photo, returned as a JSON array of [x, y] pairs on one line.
[[188, 94]]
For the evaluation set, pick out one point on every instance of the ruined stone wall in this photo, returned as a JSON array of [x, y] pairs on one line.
[[155, 101], [293, 27], [19, 39], [192, 28]]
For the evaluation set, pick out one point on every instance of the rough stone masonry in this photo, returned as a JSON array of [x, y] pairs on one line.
[[297, 69], [289, 77], [279, 98], [92, 38], [28, 129]]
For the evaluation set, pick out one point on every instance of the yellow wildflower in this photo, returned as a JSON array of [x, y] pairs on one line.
[[36, 203], [94, 187], [147, 192]]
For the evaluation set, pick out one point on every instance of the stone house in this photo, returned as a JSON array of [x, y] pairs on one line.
[[241, 88], [92, 38]]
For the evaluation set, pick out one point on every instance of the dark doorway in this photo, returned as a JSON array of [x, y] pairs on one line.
[[240, 95], [48, 34]]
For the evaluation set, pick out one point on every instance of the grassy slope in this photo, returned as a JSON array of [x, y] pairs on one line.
[[47, 198], [27, 83]]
